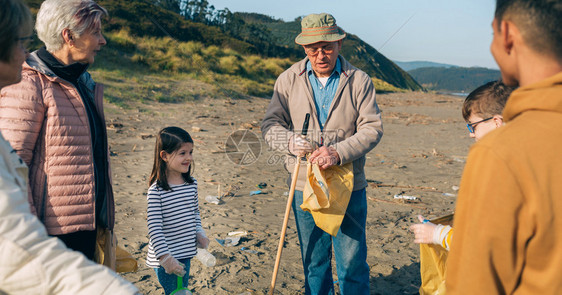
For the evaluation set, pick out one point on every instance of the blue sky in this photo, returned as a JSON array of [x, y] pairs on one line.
[[455, 32]]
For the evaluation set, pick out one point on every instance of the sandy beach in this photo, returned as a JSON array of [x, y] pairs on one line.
[[422, 154]]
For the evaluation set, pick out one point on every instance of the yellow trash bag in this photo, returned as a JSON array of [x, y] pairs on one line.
[[326, 195], [111, 255], [432, 269], [433, 260], [125, 262]]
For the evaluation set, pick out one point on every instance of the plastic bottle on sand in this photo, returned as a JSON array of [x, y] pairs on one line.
[[206, 257]]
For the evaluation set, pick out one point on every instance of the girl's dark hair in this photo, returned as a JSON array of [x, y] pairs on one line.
[[169, 140]]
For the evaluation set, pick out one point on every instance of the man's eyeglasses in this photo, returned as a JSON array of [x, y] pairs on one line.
[[314, 51], [24, 42], [471, 126]]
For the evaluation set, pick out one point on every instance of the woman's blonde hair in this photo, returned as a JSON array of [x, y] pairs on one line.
[[54, 16]]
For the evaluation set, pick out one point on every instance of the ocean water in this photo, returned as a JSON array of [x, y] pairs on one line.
[[459, 94], [462, 94]]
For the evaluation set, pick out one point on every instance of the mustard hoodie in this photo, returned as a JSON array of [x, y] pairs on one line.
[[508, 221]]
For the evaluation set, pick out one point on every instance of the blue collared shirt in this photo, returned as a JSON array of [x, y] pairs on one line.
[[323, 95]]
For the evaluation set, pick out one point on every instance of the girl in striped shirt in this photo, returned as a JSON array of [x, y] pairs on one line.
[[174, 223]]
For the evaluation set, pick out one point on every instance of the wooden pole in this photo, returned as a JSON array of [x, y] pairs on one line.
[[285, 222], [304, 131]]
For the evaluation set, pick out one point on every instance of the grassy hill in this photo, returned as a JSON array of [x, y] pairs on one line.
[[355, 50], [153, 53], [456, 79]]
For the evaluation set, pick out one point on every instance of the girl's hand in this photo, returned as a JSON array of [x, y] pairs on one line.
[[424, 232], [202, 240], [172, 265]]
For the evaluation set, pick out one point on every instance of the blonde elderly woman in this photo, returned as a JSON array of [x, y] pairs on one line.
[[54, 120], [32, 262]]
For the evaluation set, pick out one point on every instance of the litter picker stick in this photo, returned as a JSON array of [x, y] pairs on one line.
[[288, 211]]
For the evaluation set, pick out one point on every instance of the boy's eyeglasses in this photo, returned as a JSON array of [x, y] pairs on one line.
[[471, 126], [327, 49]]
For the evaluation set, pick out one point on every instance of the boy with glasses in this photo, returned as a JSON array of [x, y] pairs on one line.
[[482, 110]]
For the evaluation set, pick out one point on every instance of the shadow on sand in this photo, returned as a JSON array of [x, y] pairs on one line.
[[405, 280]]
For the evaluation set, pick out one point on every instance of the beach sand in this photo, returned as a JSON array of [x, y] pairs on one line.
[[422, 154]]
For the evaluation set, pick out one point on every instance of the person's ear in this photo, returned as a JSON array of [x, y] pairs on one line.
[[498, 120], [67, 37], [509, 33], [164, 156]]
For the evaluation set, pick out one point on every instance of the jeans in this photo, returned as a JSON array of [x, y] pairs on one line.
[[170, 282], [350, 248]]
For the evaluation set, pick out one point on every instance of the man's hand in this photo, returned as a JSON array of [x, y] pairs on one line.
[[299, 146], [172, 265], [325, 157]]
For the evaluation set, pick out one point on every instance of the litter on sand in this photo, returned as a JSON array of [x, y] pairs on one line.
[[229, 242], [238, 233], [213, 200], [404, 197], [248, 250], [257, 193]]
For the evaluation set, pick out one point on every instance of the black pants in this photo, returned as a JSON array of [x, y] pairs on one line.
[[82, 241]]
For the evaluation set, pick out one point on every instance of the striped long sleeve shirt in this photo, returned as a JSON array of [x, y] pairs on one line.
[[173, 220]]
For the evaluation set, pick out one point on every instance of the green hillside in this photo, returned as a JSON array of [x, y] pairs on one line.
[[153, 52], [355, 50], [457, 79], [367, 58]]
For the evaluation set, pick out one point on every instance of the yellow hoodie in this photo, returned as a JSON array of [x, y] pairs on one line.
[[508, 220]]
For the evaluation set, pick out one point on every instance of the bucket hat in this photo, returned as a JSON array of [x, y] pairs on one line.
[[318, 28]]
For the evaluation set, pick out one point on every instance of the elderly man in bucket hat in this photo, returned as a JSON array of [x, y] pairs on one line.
[[345, 125]]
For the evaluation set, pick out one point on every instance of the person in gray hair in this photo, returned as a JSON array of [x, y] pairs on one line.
[[54, 120], [31, 261]]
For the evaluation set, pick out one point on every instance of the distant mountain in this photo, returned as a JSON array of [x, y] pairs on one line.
[[455, 79], [355, 50], [412, 65]]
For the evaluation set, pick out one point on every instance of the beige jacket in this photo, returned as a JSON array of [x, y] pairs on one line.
[[508, 220], [44, 119], [31, 262], [353, 126]]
